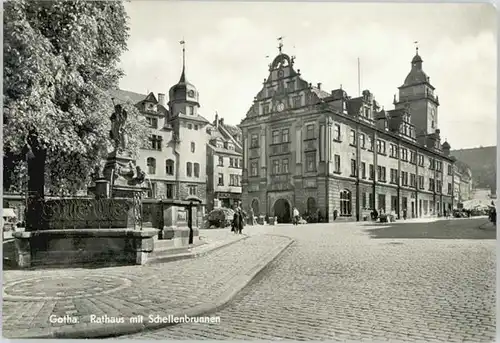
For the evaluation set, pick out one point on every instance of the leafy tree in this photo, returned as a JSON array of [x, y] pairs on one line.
[[60, 61]]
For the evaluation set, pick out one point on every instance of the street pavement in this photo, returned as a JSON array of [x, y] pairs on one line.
[[430, 281], [60, 302]]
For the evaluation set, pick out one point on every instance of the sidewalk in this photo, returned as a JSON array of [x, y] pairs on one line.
[[69, 297]]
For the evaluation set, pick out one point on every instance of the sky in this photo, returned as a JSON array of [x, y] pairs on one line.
[[227, 44]]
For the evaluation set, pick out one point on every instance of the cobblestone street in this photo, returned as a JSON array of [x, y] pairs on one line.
[[341, 282]]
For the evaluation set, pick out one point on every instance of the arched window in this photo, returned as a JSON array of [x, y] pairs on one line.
[[345, 203], [193, 147], [169, 167], [151, 163]]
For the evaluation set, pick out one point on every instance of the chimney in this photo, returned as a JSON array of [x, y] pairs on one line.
[[221, 121], [161, 99], [216, 119], [319, 85]]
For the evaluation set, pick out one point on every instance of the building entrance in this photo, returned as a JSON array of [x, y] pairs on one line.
[[282, 211]]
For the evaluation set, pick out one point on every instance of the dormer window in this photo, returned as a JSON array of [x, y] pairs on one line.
[[150, 107], [225, 145]]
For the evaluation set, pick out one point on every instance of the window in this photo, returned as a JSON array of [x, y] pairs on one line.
[[254, 141], [285, 166], [190, 127], [431, 184], [170, 191], [345, 203], [450, 169], [439, 166], [234, 180], [394, 151], [231, 162], [276, 136], [432, 164], [449, 188], [254, 169], [404, 178], [394, 176], [372, 172], [152, 190], [404, 154], [155, 142], [362, 140], [151, 164], [353, 168], [379, 173], [439, 186], [336, 160], [169, 167], [193, 147], [285, 137], [421, 182], [413, 157], [363, 205], [383, 175], [196, 170], [190, 110], [363, 170], [193, 190], [413, 180], [370, 201], [221, 161], [265, 109], [421, 160], [352, 138], [226, 144], [370, 143], [311, 162], [196, 127], [310, 131], [276, 167], [220, 182], [189, 169], [153, 122], [336, 132], [380, 146], [297, 101]]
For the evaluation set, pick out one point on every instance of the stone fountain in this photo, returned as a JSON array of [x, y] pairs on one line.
[[106, 229]]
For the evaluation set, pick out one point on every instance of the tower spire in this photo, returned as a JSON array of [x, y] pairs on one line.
[[416, 46], [183, 75]]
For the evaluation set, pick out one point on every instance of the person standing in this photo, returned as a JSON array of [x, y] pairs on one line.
[[295, 216]]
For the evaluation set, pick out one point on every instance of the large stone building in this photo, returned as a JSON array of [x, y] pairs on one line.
[[338, 156], [224, 165], [175, 158]]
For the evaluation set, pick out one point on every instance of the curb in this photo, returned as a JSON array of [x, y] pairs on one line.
[[189, 255], [108, 331]]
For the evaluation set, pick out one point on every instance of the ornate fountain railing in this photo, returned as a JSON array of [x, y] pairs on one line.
[[82, 213]]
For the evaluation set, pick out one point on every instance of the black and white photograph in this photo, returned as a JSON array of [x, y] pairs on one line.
[[225, 170]]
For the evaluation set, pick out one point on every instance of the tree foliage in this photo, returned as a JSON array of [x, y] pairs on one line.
[[60, 61]]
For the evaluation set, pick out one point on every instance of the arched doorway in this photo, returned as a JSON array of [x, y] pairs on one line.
[[311, 205], [282, 211], [255, 207]]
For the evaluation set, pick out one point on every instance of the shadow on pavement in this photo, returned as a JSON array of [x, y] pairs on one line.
[[443, 229]]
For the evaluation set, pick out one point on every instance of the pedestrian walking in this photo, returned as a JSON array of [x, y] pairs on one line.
[[295, 216], [238, 220], [404, 214]]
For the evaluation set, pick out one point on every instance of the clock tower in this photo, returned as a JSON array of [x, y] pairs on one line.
[[417, 94]]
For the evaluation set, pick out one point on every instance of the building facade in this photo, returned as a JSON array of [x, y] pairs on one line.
[[175, 158], [463, 188], [224, 166], [340, 157]]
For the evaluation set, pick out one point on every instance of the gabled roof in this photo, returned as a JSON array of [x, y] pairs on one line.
[[320, 93], [127, 96]]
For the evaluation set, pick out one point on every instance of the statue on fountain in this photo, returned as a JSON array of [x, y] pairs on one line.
[[132, 173], [117, 132]]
